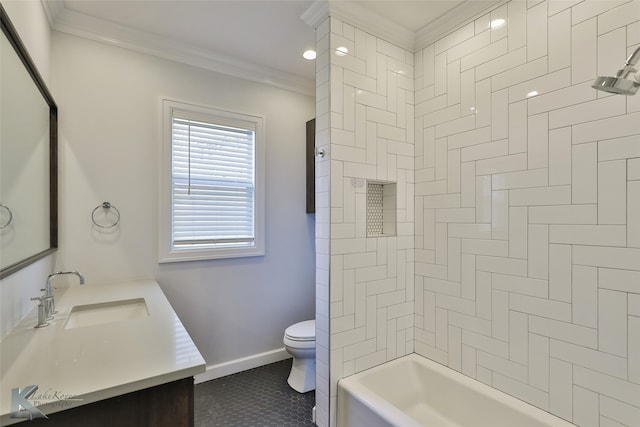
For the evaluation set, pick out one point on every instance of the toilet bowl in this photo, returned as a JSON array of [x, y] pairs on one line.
[[300, 341]]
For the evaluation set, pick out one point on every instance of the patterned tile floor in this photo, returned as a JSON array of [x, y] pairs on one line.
[[258, 397]]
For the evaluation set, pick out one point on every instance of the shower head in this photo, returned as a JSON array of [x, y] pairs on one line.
[[626, 81]]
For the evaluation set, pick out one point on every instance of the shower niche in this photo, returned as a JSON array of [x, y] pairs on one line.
[[381, 208]]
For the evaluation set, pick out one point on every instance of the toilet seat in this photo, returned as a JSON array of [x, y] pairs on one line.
[[301, 331]]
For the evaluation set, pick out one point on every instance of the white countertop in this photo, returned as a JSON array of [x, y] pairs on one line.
[[72, 367]]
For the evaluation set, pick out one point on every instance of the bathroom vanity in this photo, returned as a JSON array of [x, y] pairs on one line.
[[114, 354]]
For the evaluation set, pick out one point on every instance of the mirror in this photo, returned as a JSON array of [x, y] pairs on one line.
[[28, 157]]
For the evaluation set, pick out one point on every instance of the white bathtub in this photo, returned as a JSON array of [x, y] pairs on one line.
[[413, 391]]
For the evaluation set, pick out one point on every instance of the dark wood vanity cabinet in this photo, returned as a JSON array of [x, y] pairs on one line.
[[165, 405]]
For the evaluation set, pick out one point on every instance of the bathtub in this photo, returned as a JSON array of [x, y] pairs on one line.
[[413, 391]]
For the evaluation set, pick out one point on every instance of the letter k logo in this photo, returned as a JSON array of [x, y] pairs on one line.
[[19, 400]]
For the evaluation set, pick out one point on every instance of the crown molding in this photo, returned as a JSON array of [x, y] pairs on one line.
[[71, 22], [367, 20], [316, 13], [452, 20]]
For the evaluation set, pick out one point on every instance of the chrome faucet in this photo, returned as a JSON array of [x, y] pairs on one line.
[[48, 298]]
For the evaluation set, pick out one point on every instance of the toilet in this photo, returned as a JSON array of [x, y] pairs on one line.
[[300, 341]]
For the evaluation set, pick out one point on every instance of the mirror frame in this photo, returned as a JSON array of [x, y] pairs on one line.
[[12, 35]]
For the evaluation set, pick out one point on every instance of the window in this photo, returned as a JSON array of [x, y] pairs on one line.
[[213, 179]]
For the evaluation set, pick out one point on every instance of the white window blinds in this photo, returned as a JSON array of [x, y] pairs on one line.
[[213, 182]]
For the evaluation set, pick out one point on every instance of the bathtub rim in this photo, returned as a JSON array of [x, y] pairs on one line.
[[375, 402]]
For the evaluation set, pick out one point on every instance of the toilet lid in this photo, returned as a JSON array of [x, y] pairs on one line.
[[302, 331]]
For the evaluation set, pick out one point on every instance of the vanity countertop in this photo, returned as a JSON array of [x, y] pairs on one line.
[[80, 365]]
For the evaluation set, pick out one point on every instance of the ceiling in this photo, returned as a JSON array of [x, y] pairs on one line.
[[260, 40]]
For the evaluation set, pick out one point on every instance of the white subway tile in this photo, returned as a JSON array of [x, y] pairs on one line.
[[471, 137], [560, 156], [612, 192], [517, 27], [453, 171], [544, 84], [441, 162], [454, 259], [468, 185], [500, 215], [633, 214], [564, 331], [470, 231], [483, 295], [589, 358], [612, 322], [509, 266], [467, 93], [500, 32], [611, 47], [485, 343], [501, 63], [440, 76], [440, 286], [585, 296], [592, 8], [561, 98], [500, 114], [559, 272], [442, 201], [483, 103], [596, 235], [560, 389], [464, 33], [605, 384], [614, 127], [503, 366], [634, 304], [560, 195], [518, 339], [518, 232], [511, 163], [486, 247], [618, 17], [456, 126], [466, 215], [560, 35], [520, 179], [441, 327], [583, 49], [468, 277], [584, 174], [633, 169], [441, 244], [483, 198], [587, 406], [588, 111], [518, 127], [538, 360], [540, 306], [520, 285], [625, 414], [564, 214], [602, 256], [483, 54], [619, 148], [519, 74], [537, 32], [521, 391], [453, 82], [634, 348]]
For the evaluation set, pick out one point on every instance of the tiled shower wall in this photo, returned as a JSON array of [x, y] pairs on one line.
[[527, 253], [368, 95]]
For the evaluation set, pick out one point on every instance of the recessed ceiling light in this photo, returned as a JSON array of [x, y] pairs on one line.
[[309, 54], [497, 23], [342, 51]]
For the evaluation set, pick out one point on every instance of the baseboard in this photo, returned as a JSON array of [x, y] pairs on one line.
[[242, 364]]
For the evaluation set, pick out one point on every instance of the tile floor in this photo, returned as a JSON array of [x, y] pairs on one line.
[[258, 397]]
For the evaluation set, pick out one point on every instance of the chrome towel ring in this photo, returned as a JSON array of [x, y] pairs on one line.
[[106, 206], [9, 214]]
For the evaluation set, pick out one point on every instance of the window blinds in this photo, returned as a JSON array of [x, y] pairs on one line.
[[212, 178]]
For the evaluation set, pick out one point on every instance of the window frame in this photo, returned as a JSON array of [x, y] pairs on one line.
[[167, 252]]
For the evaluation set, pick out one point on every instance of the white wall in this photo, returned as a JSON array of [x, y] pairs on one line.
[[528, 209], [109, 103], [31, 24]]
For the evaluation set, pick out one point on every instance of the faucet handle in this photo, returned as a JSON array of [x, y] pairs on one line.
[[43, 310]]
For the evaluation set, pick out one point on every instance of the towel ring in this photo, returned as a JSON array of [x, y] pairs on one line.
[[5, 225], [108, 206]]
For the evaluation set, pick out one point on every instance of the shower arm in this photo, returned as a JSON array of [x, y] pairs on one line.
[[629, 66]]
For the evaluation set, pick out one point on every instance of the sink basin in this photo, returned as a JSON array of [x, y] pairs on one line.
[[82, 316]]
